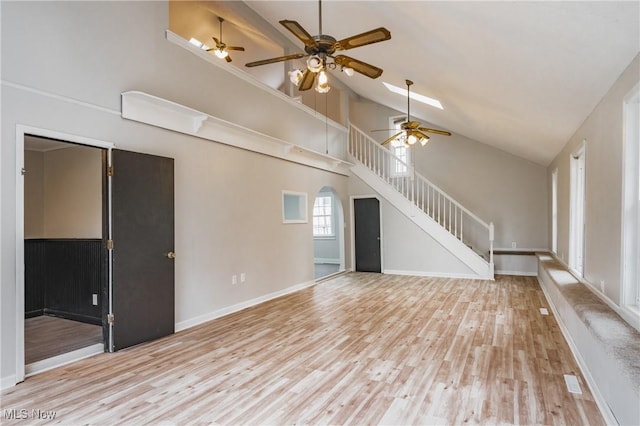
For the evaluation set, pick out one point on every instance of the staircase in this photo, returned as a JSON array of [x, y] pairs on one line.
[[457, 229]]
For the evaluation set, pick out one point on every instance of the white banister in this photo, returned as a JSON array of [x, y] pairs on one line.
[[426, 196]]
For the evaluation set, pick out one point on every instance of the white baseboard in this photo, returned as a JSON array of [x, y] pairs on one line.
[[183, 325], [431, 274], [518, 273], [600, 400], [7, 382], [326, 260]]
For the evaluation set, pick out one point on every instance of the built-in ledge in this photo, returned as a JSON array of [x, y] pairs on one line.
[[149, 109]]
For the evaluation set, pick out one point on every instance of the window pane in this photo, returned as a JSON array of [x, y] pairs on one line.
[[322, 224]]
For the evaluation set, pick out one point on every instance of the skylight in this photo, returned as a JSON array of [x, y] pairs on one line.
[[416, 96], [198, 43]]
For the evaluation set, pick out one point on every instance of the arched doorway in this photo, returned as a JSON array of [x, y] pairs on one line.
[[328, 233]]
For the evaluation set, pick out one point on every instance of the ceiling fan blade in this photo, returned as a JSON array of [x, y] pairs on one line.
[[278, 59], [359, 66], [436, 131], [227, 58], [392, 138], [235, 48], [297, 30], [216, 40], [307, 80], [369, 37]]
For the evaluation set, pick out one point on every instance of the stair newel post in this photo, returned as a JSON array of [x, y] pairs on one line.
[[491, 246]]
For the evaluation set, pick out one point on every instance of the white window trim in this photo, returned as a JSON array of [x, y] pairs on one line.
[[554, 211], [301, 214], [630, 238], [577, 218]]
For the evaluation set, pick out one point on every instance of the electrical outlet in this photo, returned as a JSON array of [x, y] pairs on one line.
[[234, 279], [243, 277], [94, 299], [513, 244]]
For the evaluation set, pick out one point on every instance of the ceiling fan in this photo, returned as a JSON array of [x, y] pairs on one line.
[[321, 48], [411, 130], [222, 50]]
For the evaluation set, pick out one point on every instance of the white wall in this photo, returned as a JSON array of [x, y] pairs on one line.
[[73, 193], [228, 201], [603, 132], [63, 193], [498, 187], [34, 194]]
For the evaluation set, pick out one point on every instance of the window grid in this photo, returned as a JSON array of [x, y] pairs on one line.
[[400, 150], [322, 217]]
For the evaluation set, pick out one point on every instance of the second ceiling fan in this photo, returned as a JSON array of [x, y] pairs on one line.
[[222, 49], [411, 132], [320, 50]]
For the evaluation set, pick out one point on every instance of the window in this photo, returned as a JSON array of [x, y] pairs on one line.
[[294, 207], [400, 164], [576, 213], [631, 202], [323, 216], [554, 211]]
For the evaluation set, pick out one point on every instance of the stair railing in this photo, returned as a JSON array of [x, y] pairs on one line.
[[434, 202]]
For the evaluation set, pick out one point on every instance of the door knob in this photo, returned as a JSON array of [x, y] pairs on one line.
[[171, 255]]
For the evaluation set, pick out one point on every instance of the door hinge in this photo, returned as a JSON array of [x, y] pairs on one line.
[[110, 319], [110, 171], [109, 244], [23, 171]]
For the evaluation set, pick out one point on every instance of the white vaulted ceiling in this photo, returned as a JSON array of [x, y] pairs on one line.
[[520, 76]]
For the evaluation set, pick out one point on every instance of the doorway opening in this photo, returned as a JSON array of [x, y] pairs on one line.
[[62, 251], [577, 210], [328, 234]]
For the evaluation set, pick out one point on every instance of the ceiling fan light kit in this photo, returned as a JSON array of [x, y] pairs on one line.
[[222, 49], [220, 53], [323, 83], [411, 132], [320, 50]]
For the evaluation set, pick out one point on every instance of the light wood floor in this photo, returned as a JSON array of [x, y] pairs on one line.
[[46, 337], [357, 349]]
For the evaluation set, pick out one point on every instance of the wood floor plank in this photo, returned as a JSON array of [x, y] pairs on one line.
[[356, 349], [48, 336]]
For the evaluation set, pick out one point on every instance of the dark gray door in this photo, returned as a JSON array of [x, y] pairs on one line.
[[366, 212], [143, 242]]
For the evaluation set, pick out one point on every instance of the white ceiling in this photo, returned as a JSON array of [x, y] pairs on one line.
[[520, 76]]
